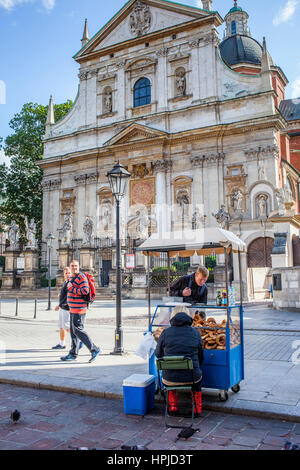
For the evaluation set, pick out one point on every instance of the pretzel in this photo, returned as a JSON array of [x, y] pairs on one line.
[[221, 340]]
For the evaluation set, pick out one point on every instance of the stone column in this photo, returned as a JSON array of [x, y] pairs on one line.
[[121, 104], [198, 190], [210, 41], [195, 74], [161, 198], [162, 76], [81, 205]]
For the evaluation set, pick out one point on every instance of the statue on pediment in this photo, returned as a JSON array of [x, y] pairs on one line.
[[30, 233], [13, 235], [88, 228], [222, 217]]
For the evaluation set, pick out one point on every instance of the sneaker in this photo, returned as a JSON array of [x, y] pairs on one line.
[[58, 346], [94, 355], [69, 357]]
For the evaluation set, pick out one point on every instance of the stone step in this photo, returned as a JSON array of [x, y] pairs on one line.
[[102, 293]]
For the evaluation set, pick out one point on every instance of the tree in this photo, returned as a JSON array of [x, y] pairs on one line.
[[20, 183]]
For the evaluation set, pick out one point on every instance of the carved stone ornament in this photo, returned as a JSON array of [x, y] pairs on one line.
[[49, 185], [140, 19], [162, 165], [199, 160]]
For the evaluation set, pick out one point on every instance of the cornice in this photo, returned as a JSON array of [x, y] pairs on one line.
[[274, 117]]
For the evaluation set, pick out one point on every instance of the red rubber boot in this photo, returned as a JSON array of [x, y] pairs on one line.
[[198, 403], [173, 401]]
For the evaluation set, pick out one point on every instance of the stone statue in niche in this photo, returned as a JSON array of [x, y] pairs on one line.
[[142, 224], [13, 235], [106, 218], [88, 228], [30, 233], [262, 206], [67, 228], [180, 82], [237, 201], [140, 19], [107, 101]]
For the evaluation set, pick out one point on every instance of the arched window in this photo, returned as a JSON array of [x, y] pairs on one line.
[[142, 92], [233, 27]]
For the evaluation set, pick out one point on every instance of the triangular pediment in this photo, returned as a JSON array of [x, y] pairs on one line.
[[138, 18], [134, 133]]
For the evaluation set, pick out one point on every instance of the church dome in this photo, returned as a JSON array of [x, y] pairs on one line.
[[240, 49]]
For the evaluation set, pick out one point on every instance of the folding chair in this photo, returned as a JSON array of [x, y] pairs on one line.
[[175, 363]]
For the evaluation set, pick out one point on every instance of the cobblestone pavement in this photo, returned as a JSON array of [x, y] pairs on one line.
[[53, 420]]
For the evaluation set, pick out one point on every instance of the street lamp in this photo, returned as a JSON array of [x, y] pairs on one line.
[[118, 178], [49, 239]]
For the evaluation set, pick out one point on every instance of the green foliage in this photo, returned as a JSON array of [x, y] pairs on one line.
[[44, 282], [210, 262], [20, 183], [162, 269], [180, 266]]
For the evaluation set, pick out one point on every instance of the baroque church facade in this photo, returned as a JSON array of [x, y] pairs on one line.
[[198, 123]]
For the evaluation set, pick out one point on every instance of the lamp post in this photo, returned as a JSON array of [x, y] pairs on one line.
[[49, 239], [118, 178]]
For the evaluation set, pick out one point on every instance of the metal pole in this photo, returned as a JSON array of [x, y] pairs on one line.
[[35, 305], [119, 332], [49, 278], [226, 279], [17, 307], [169, 283], [240, 275], [148, 284]]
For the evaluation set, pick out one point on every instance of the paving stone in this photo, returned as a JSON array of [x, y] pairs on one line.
[[110, 443], [219, 441]]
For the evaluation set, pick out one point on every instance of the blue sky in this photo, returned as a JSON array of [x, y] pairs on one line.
[[39, 37]]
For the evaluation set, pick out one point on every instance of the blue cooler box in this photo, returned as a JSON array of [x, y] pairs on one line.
[[138, 394]]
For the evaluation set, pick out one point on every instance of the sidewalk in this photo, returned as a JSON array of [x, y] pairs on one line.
[[272, 364]]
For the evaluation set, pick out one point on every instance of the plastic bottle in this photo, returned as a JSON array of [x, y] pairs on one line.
[[219, 299], [224, 298]]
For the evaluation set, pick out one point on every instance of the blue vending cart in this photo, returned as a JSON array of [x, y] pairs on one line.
[[223, 369], [223, 366]]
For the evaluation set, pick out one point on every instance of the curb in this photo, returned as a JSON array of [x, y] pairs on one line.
[[253, 409]]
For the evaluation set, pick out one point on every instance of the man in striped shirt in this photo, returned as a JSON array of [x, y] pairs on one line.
[[78, 287]]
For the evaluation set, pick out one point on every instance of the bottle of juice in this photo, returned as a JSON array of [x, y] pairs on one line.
[[219, 299], [224, 298]]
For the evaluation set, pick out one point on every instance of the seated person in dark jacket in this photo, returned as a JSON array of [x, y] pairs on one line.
[[192, 287], [181, 339]]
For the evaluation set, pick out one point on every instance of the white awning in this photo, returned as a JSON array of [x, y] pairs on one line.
[[188, 242]]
